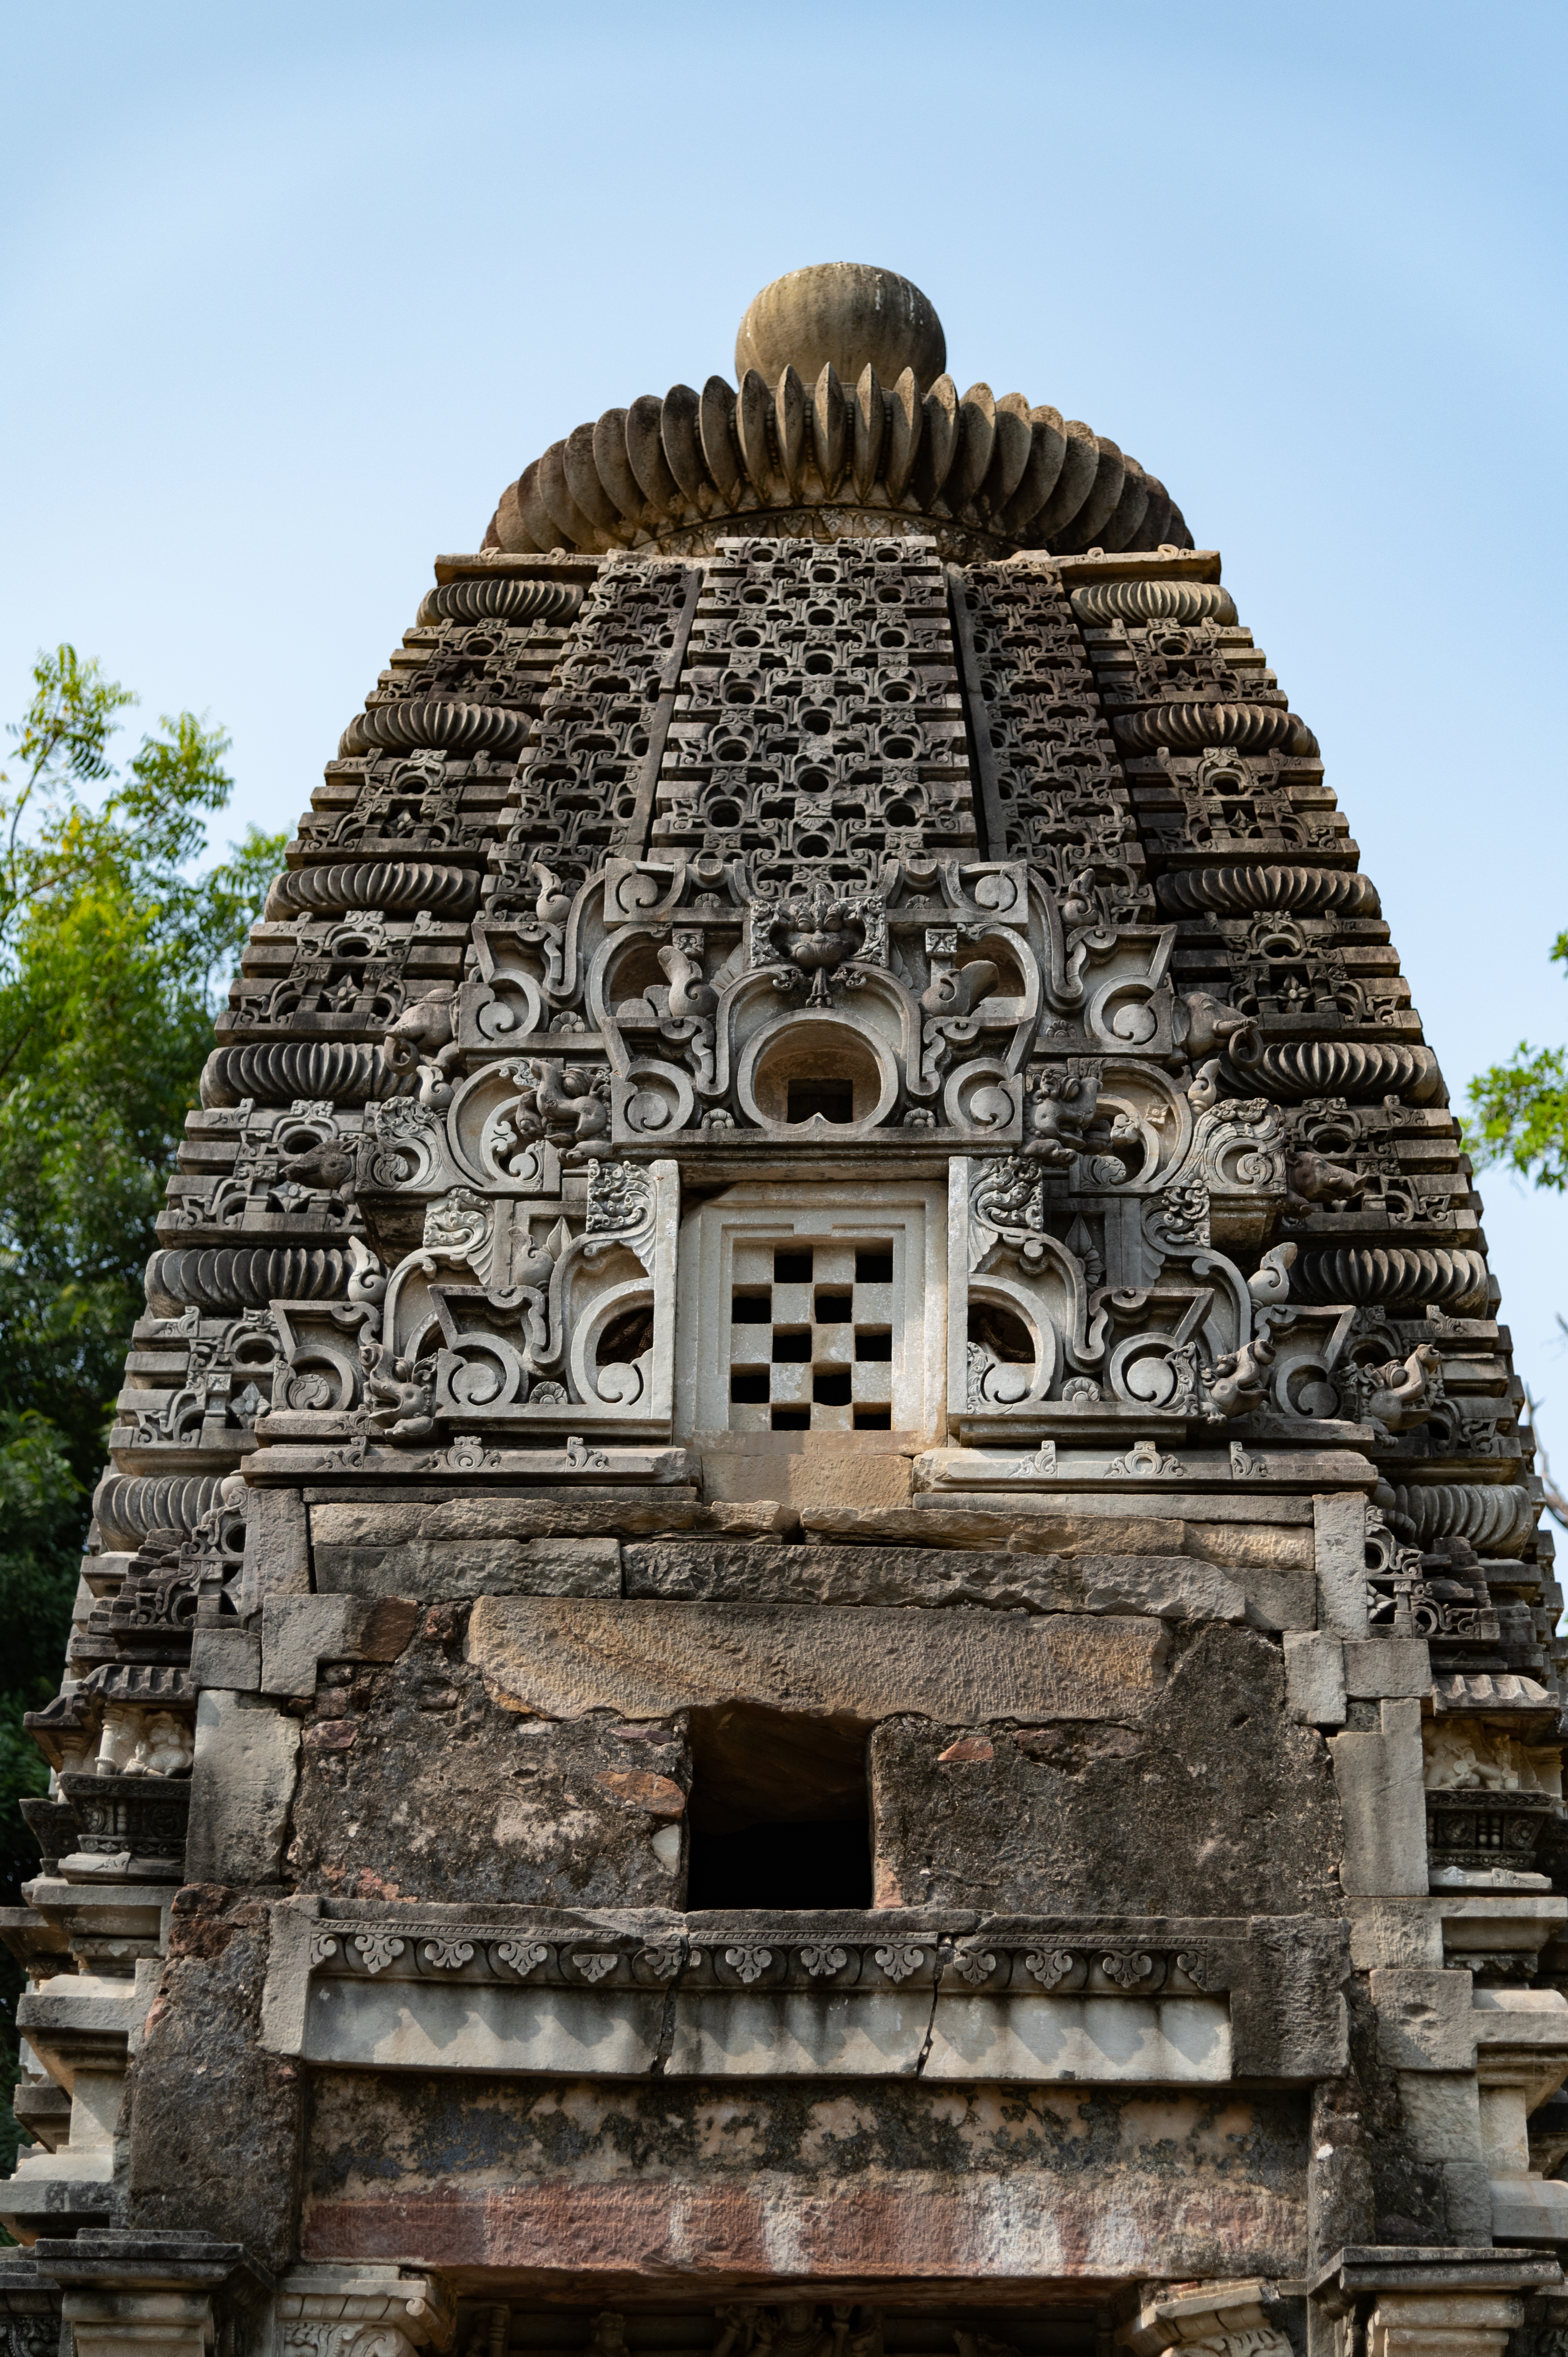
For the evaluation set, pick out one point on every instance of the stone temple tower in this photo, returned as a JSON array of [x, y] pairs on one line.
[[817, 1626]]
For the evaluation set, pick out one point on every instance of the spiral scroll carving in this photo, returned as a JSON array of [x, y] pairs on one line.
[[1239, 891], [126, 1506], [375, 884], [1343, 1068], [428, 721], [348, 1073], [1391, 1273], [500, 598], [1493, 1521], [1105, 602], [1193, 727], [224, 1279]]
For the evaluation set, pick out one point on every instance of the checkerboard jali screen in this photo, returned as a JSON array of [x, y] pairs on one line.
[[810, 1337]]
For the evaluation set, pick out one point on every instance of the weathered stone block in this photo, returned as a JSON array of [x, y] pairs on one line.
[[1315, 1678], [227, 1658], [563, 1658], [1378, 1772], [1442, 2115], [242, 1782], [1423, 2019], [1173, 1587], [414, 1784], [216, 2124], [719, 1571], [847, 1478], [277, 1548], [1339, 1523], [932, 2186], [1098, 1818], [1394, 1667], [299, 1631], [444, 1570]]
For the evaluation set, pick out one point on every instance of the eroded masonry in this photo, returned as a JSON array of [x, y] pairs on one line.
[[818, 1627]]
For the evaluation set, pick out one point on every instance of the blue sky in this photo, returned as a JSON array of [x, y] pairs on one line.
[[292, 292]]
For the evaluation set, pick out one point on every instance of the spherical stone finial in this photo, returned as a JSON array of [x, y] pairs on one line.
[[846, 312]]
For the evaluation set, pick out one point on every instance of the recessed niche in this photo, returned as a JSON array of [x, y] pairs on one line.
[[822, 1073], [810, 1100]]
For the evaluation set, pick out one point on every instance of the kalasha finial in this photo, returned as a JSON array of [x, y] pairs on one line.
[[846, 312]]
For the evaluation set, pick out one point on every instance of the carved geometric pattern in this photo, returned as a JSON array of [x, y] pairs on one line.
[[819, 731], [811, 1338], [1051, 777], [582, 781]]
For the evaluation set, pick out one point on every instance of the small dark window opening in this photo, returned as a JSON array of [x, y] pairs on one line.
[[791, 1419], [833, 1099], [874, 1266], [791, 1267], [874, 1345], [625, 1338], [831, 1389], [751, 1310], [873, 1419], [834, 1308], [750, 1387], [779, 1816], [792, 1349], [1002, 1332]]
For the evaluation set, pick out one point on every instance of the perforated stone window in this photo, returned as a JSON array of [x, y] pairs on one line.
[[810, 1339], [812, 1309]]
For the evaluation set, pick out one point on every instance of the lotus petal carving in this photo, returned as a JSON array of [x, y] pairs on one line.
[[501, 598], [228, 1277], [1343, 1068], [419, 721], [1237, 891], [126, 1506], [385, 885], [1390, 1272], [997, 466], [275, 1075], [1496, 1521], [1104, 602], [1191, 727]]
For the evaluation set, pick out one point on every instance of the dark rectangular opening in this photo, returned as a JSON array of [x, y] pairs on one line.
[[797, 1867], [832, 1100], [873, 1419], [831, 1389], [793, 1347], [750, 1387], [791, 1267], [750, 1309], [779, 1815], [874, 1266], [874, 1345], [791, 1419], [834, 1308]]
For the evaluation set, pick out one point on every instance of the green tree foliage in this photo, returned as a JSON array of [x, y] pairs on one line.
[[114, 945], [1519, 1110]]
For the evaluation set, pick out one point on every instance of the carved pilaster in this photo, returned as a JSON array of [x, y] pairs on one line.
[[1231, 2320], [1419, 2302], [128, 2294], [366, 2311]]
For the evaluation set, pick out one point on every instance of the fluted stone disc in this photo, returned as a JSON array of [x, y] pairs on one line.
[[846, 312]]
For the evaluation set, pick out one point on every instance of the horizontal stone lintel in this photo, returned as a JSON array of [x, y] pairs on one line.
[[1018, 2233], [544, 1991], [900, 2033]]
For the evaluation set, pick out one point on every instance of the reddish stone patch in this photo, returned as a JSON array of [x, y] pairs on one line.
[[660, 1795], [652, 2237]]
